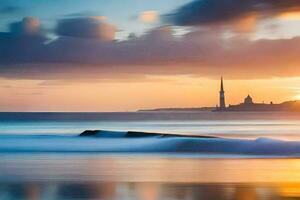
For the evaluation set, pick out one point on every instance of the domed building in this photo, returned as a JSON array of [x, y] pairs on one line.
[[248, 105], [248, 100]]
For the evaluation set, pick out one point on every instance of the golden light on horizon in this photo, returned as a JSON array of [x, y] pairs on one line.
[[155, 92], [292, 15], [289, 190], [297, 97]]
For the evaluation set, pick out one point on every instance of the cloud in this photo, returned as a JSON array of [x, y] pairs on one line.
[[86, 27], [9, 10], [23, 43], [245, 24], [150, 16], [28, 26], [81, 14], [202, 52], [208, 12]]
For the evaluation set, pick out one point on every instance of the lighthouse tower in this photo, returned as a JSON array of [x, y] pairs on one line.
[[222, 97]]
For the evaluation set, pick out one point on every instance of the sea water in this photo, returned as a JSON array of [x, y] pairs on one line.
[[129, 175], [239, 124]]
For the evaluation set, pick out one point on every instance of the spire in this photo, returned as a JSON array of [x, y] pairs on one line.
[[222, 88], [222, 97]]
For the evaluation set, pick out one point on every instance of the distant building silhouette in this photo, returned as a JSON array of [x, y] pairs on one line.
[[248, 100], [222, 106], [246, 106], [249, 105]]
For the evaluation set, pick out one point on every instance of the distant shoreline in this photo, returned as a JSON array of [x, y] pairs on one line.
[[287, 106], [178, 109]]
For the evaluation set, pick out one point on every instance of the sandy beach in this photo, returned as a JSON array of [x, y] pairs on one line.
[[138, 176]]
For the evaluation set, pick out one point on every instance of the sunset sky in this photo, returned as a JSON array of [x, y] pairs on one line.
[[97, 55]]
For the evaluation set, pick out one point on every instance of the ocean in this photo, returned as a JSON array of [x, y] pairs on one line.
[[237, 124], [42, 157]]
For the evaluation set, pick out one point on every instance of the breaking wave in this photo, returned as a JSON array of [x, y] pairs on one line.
[[117, 142]]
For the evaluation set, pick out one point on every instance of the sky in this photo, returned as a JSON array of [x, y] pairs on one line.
[[97, 55]]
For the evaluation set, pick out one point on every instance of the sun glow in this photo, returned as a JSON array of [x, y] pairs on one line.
[[295, 15]]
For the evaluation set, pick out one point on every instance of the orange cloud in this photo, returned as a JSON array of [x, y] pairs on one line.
[[246, 24], [149, 16]]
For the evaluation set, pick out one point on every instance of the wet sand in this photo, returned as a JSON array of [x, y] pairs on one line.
[[144, 176]]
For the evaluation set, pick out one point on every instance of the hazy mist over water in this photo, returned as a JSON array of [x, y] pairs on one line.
[[239, 124]]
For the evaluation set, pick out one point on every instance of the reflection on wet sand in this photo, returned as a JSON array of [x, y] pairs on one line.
[[145, 191], [147, 177], [148, 168]]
